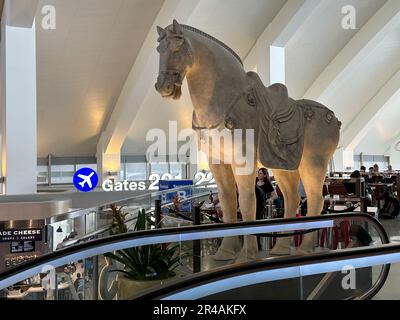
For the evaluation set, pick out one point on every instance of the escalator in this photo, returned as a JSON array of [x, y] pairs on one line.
[[350, 259]]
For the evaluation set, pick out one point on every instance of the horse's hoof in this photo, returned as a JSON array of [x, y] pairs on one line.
[[282, 247], [322, 250], [304, 250], [308, 245], [224, 255], [246, 256], [307, 250], [280, 252], [228, 249]]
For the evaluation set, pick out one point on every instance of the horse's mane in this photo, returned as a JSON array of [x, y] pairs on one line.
[[213, 39]]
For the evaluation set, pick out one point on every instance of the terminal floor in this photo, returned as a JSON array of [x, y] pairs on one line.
[[391, 289]]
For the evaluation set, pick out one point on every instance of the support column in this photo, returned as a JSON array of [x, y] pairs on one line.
[[394, 154], [18, 107], [269, 62], [343, 160], [270, 46], [264, 63], [108, 164], [277, 65]]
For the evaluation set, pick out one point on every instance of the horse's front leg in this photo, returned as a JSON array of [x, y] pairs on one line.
[[247, 204], [225, 180]]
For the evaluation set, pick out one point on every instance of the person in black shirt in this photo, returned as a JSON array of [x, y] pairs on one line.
[[260, 203], [264, 183]]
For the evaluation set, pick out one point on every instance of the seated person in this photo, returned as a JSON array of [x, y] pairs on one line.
[[350, 185], [356, 174], [368, 178]]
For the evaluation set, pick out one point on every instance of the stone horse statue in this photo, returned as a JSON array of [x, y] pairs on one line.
[[296, 139]]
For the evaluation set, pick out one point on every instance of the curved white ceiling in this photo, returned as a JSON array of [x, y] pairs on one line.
[[381, 135], [238, 23], [320, 39], [83, 65], [361, 85]]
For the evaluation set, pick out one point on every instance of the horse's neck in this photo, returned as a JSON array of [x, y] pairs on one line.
[[215, 80]]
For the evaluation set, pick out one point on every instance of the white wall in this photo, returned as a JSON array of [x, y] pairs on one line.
[[18, 108]]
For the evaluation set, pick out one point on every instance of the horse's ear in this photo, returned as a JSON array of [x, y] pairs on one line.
[[177, 27], [160, 30], [161, 33]]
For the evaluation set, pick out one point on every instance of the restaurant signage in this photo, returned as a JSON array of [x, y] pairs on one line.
[[10, 235]]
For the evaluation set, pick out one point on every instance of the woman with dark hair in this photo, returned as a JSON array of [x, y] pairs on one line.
[[264, 183]]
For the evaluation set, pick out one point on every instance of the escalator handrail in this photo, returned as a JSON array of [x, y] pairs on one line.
[[276, 263], [46, 260]]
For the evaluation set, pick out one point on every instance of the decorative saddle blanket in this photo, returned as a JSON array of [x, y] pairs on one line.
[[279, 122], [281, 126]]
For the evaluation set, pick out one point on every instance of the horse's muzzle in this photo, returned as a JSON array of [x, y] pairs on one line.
[[168, 89]]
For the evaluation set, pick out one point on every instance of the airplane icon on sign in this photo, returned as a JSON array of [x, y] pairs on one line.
[[86, 180]]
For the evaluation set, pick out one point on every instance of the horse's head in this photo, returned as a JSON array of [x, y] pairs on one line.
[[175, 60]]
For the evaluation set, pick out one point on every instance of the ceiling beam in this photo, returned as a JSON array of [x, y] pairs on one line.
[[354, 133], [392, 147], [360, 46], [141, 78], [278, 33]]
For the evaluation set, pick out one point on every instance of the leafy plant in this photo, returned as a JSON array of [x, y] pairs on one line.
[[176, 206], [118, 219], [152, 262]]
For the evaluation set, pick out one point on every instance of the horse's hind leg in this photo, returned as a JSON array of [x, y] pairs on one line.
[[225, 180], [313, 178], [288, 182]]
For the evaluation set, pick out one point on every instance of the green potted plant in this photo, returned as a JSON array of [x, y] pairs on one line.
[[118, 219], [175, 209], [142, 267]]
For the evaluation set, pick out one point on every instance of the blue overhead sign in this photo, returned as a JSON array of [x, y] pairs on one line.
[[185, 193]]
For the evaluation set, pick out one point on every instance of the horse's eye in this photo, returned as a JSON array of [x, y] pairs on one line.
[[176, 49]]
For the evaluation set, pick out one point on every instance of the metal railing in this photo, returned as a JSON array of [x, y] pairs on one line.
[[100, 231], [82, 212]]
